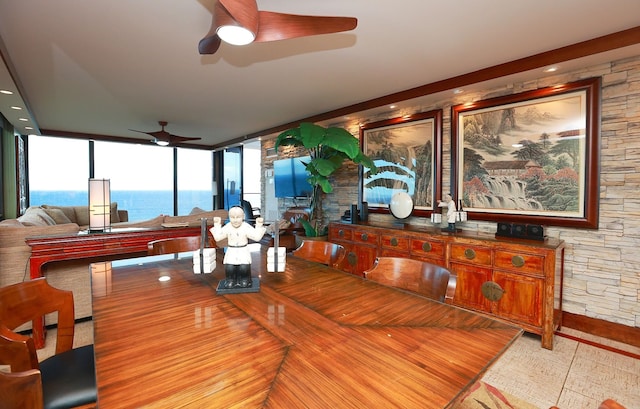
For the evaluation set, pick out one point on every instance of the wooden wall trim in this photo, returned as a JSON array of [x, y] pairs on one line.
[[571, 52], [610, 330]]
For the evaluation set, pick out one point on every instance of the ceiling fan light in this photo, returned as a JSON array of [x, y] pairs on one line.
[[235, 35], [160, 142]]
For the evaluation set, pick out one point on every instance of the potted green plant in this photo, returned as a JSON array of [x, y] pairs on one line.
[[328, 149]]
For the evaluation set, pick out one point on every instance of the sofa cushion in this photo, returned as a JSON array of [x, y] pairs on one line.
[[11, 223], [115, 216], [195, 218], [57, 215], [67, 210], [151, 223], [80, 214], [36, 216], [196, 210]]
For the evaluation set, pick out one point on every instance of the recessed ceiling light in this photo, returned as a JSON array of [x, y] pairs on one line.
[[16, 108], [551, 69], [28, 127], [458, 91], [23, 119], [392, 106], [6, 92], [164, 278]]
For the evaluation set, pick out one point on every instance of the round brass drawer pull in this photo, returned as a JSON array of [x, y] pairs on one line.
[[352, 259], [517, 261], [341, 233], [364, 237], [394, 241], [492, 291], [426, 246], [470, 254]]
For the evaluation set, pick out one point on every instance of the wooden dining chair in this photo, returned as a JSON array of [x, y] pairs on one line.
[[320, 251], [64, 380], [610, 404], [431, 280], [175, 245]]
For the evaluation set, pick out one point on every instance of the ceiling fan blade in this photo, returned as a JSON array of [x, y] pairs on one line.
[[245, 12], [176, 138], [281, 26], [165, 136], [157, 134]]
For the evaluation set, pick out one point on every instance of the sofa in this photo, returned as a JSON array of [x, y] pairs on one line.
[[70, 275]]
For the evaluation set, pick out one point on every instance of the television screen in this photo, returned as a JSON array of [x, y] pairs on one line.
[[290, 177]]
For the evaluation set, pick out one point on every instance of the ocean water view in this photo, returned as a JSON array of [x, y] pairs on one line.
[[141, 204]]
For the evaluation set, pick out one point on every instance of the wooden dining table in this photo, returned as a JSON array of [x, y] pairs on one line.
[[311, 337]]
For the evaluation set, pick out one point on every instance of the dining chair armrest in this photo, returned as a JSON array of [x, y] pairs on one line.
[[17, 350], [21, 389]]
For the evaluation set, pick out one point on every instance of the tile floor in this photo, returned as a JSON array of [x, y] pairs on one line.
[[574, 375]]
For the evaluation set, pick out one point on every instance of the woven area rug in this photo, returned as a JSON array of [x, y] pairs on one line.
[[484, 396]]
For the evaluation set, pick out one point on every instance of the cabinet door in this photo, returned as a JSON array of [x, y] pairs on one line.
[[522, 298], [359, 259], [469, 286]]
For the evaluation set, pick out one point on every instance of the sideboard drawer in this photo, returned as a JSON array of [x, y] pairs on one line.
[[514, 261], [340, 233], [471, 254], [394, 243], [365, 236], [428, 248]]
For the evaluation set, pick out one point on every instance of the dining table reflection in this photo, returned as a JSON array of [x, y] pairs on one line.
[[312, 337]]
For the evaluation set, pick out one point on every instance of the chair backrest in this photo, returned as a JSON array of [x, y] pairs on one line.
[[66, 379], [431, 280], [23, 302], [610, 404], [320, 251], [293, 215], [248, 210], [174, 245], [21, 390]]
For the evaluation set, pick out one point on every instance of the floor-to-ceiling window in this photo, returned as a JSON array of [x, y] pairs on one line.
[[251, 173], [58, 171], [141, 177], [232, 176], [194, 180]]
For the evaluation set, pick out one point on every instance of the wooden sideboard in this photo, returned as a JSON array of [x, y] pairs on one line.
[[513, 279]]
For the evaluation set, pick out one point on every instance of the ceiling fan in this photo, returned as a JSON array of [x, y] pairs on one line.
[[239, 22], [164, 138]]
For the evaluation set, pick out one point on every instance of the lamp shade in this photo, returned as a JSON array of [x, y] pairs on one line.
[[99, 204]]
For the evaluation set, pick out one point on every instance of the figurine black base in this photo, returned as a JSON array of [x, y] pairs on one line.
[[448, 230], [255, 287]]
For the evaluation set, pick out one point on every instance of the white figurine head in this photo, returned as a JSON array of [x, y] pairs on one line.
[[236, 216]]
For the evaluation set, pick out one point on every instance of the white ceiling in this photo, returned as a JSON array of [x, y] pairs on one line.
[[104, 67]]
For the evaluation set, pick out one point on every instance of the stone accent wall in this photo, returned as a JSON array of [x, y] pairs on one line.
[[602, 267]]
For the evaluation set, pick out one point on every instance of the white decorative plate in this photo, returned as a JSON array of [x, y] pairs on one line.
[[401, 205]]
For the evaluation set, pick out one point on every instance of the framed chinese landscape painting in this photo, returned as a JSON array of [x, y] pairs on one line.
[[532, 157], [407, 152]]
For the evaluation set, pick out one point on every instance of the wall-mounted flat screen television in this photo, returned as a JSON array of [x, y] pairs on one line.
[[290, 177]]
